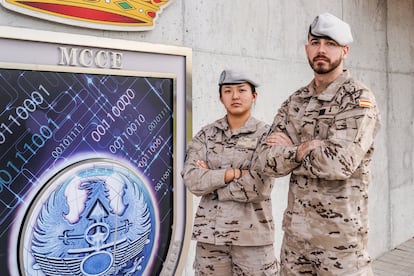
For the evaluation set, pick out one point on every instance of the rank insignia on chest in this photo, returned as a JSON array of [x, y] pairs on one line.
[[329, 111]]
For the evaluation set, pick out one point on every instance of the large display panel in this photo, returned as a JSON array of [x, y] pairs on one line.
[[89, 172]]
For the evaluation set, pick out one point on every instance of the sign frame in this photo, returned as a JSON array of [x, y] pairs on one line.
[[37, 50]]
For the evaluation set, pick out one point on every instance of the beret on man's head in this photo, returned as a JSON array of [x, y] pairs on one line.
[[328, 25], [235, 77]]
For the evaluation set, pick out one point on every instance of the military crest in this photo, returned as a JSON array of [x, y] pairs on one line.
[[121, 15], [94, 218]]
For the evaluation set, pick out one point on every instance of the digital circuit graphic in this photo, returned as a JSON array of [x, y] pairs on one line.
[[56, 130]]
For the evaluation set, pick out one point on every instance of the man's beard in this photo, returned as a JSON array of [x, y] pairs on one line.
[[322, 70]]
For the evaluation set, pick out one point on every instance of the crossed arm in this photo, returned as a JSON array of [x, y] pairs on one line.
[[281, 139], [230, 174]]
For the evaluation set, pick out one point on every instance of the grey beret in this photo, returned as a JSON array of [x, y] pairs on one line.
[[233, 77], [328, 25]]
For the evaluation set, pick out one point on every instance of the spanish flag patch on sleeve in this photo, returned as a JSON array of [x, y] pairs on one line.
[[364, 103]]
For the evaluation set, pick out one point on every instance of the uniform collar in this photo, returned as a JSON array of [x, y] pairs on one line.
[[249, 126], [329, 93]]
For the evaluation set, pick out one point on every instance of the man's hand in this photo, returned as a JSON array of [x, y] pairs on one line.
[[305, 148], [278, 139]]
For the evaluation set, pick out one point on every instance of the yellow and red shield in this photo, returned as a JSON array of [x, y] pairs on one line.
[[121, 15]]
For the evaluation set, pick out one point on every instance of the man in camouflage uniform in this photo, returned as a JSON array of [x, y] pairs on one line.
[[233, 226], [323, 137]]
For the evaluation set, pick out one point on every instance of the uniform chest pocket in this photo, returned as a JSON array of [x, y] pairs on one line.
[[215, 154], [323, 125], [245, 148], [346, 126]]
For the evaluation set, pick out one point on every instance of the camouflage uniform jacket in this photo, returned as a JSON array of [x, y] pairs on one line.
[[241, 211], [328, 190]]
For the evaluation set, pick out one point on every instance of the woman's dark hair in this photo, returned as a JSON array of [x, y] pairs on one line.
[[251, 86]]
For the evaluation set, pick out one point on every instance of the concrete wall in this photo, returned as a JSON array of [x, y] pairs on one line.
[[400, 119], [267, 39]]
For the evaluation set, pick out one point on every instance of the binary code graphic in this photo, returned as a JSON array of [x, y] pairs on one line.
[[86, 172]]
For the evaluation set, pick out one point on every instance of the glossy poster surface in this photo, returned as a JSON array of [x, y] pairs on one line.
[[86, 172]]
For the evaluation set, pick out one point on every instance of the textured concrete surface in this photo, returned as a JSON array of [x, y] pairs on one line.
[[396, 262]]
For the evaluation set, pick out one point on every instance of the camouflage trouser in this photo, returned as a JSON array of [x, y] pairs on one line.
[[225, 260], [301, 258]]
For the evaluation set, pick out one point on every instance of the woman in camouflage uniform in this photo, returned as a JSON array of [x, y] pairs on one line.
[[233, 225]]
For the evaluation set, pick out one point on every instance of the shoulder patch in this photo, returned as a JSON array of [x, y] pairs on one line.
[[364, 103]]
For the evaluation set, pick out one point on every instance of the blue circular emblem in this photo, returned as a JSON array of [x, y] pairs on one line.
[[97, 263], [95, 217]]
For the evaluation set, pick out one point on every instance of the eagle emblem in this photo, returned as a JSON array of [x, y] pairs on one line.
[[96, 218]]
